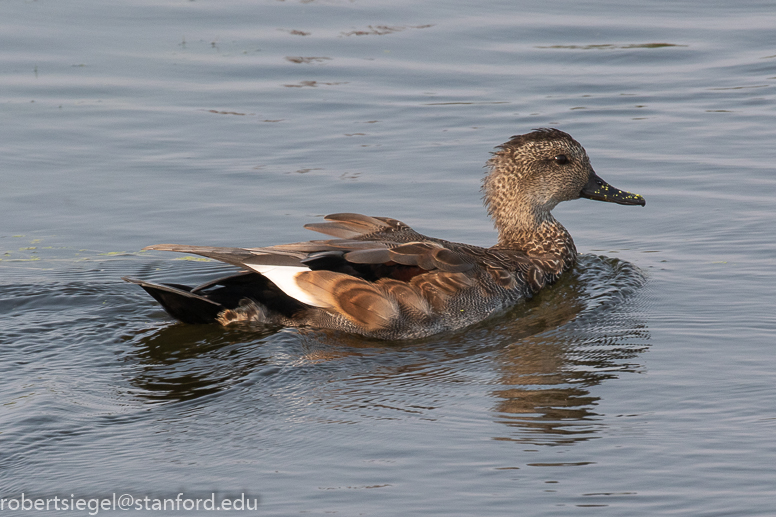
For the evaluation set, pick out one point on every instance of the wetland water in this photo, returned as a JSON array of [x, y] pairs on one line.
[[641, 384]]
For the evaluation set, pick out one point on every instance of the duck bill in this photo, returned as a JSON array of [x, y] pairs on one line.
[[600, 190]]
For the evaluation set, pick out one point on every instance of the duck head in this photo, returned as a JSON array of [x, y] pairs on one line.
[[530, 174]]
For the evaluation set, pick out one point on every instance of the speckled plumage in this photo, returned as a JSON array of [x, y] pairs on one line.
[[381, 279]]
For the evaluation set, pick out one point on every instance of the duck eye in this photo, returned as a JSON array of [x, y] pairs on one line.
[[561, 159]]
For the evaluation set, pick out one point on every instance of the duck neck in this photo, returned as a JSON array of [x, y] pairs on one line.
[[522, 217], [539, 235]]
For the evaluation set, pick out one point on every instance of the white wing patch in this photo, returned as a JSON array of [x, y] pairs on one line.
[[285, 278]]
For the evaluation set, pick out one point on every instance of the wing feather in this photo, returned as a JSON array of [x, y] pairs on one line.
[[358, 300], [439, 286], [235, 256], [348, 226]]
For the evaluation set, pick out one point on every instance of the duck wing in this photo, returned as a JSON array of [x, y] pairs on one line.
[[375, 273]]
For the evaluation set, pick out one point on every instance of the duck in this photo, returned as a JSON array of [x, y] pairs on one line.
[[381, 279]]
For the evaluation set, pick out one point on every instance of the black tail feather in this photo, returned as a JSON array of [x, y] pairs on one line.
[[180, 302], [203, 303]]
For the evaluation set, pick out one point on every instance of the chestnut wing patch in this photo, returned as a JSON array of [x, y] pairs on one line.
[[371, 286], [360, 301]]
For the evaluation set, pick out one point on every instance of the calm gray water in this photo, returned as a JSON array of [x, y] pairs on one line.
[[643, 383]]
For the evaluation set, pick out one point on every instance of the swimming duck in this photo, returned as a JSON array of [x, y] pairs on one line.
[[381, 279]]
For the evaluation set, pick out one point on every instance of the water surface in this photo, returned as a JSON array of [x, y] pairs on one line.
[[641, 384]]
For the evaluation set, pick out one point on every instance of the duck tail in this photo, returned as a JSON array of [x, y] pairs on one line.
[[180, 303], [243, 296]]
